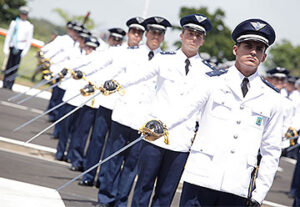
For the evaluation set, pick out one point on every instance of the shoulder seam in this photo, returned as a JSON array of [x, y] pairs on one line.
[[270, 85]]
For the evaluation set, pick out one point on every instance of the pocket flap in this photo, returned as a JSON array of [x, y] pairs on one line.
[[262, 112], [207, 149]]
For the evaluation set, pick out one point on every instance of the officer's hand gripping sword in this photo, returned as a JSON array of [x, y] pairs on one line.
[[151, 131]]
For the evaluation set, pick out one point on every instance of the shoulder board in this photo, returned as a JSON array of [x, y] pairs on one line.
[[168, 53], [270, 85], [208, 65], [133, 47], [216, 72]]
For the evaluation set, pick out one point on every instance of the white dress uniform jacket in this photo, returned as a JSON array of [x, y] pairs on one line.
[[172, 87], [295, 97], [24, 33], [231, 131], [89, 65], [129, 108]]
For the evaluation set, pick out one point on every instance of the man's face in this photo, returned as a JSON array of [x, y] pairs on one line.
[[112, 41], [249, 55], [134, 36], [290, 86], [278, 82], [23, 16], [81, 42], [191, 41], [154, 38], [88, 49]]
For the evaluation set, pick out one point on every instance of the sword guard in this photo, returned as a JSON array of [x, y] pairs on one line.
[[77, 74], [63, 73], [88, 90], [155, 129]]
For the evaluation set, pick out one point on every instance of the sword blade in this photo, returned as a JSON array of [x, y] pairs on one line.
[[34, 95], [46, 112], [101, 162], [42, 82], [59, 120]]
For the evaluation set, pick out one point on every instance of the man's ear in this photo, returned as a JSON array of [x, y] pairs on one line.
[[234, 50], [181, 36], [264, 58]]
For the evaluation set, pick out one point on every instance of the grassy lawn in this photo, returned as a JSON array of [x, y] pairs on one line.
[[27, 67]]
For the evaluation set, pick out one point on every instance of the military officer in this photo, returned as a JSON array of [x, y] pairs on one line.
[[116, 36], [248, 113], [16, 45], [102, 118], [278, 77], [295, 185], [115, 185], [176, 73], [58, 51], [65, 127]]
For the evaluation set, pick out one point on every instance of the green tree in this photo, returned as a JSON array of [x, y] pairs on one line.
[[9, 9], [218, 42], [89, 24], [284, 54]]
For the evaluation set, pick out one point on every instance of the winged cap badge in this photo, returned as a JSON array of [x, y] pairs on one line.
[[257, 25], [158, 19], [139, 20], [200, 18]]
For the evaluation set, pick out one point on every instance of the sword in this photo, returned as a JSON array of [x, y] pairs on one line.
[[36, 94], [59, 120], [42, 82], [101, 162], [46, 112], [46, 89], [293, 147], [16, 66]]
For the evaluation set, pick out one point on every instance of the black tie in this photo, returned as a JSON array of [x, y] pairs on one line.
[[150, 55], [245, 86], [187, 64]]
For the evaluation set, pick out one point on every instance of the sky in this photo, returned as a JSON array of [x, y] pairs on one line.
[[283, 15]]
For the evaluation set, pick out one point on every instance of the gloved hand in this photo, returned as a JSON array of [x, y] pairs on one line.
[[45, 64], [110, 87], [87, 90], [77, 74], [153, 130], [291, 132], [63, 73], [40, 54], [47, 75], [252, 203]]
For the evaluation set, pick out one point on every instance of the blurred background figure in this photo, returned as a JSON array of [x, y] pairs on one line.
[[17, 44]]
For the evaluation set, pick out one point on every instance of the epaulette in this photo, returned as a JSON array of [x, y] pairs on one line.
[[168, 53], [208, 65], [270, 85], [133, 47], [216, 72]]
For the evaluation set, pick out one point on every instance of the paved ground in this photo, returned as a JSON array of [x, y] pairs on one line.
[[38, 166]]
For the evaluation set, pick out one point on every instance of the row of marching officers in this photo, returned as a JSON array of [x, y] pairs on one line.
[[174, 94]]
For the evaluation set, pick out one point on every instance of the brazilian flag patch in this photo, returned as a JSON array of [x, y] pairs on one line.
[[259, 121]]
